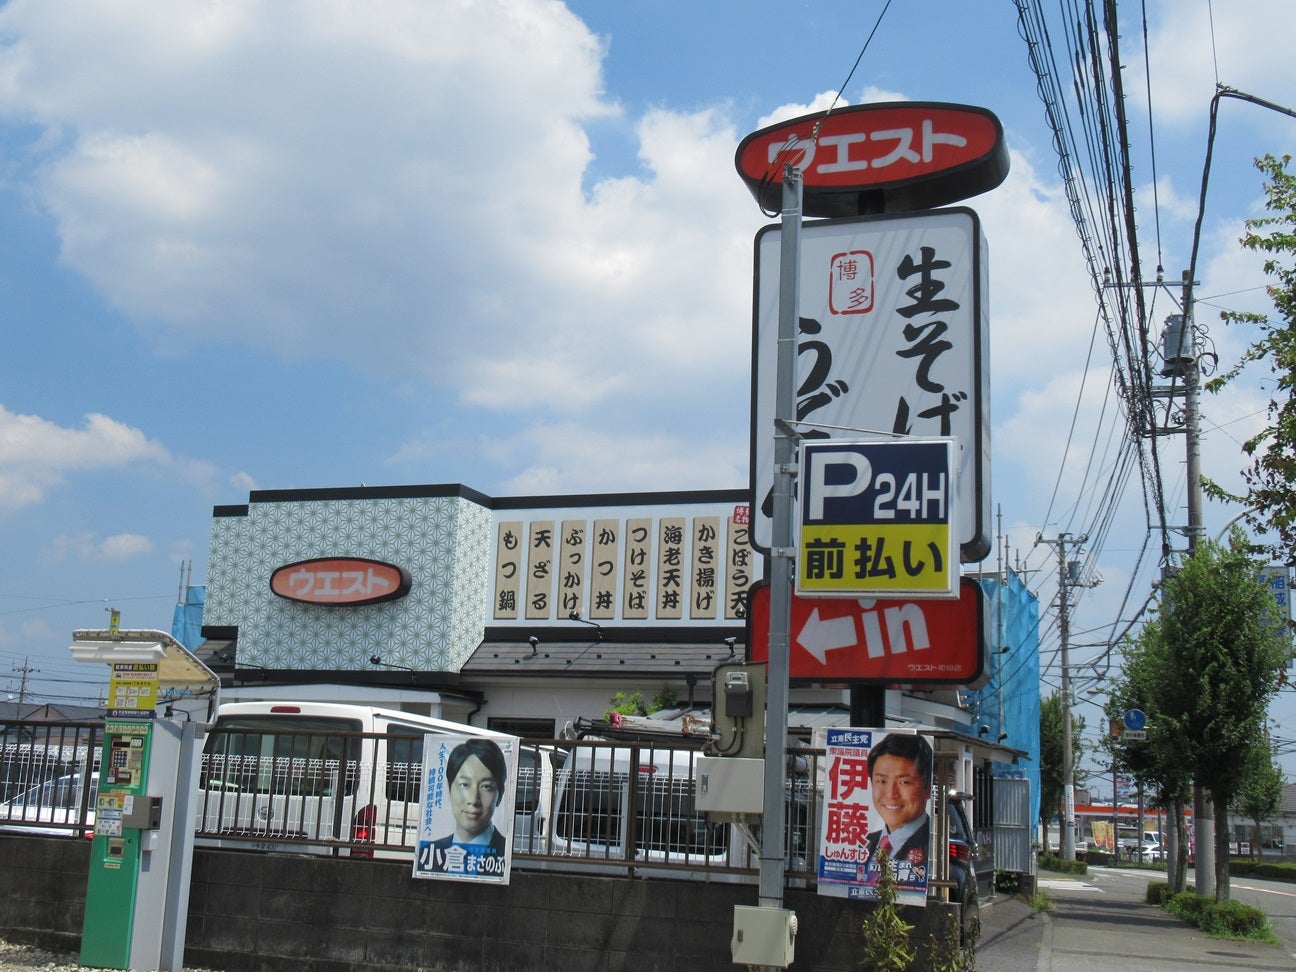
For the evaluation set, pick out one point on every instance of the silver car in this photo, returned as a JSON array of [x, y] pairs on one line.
[[57, 807]]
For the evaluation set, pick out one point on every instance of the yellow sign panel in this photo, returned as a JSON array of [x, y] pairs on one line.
[[875, 518], [133, 690], [845, 557]]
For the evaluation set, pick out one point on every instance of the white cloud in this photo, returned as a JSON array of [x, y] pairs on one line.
[[569, 459], [292, 179], [89, 547], [121, 546], [242, 482], [37, 455], [1244, 45]]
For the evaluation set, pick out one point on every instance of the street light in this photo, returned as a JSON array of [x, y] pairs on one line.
[[1115, 817]]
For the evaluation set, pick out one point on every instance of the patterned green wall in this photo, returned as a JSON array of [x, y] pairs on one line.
[[444, 542]]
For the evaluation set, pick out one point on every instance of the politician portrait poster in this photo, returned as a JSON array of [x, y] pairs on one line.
[[877, 797], [466, 808]]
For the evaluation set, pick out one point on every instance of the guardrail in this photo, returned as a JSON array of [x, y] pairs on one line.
[[611, 806]]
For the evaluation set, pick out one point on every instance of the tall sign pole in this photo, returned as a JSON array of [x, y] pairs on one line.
[[883, 159], [781, 550]]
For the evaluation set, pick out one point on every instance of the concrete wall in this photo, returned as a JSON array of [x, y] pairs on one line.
[[254, 912]]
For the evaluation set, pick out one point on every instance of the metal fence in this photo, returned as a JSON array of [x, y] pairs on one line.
[[611, 806]]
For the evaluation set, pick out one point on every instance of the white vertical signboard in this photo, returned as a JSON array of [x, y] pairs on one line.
[[892, 339]]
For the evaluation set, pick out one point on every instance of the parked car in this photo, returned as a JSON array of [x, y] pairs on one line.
[[1152, 852], [964, 854], [57, 808], [311, 777]]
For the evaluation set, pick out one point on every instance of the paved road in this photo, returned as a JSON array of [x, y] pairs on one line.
[[1100, 923]]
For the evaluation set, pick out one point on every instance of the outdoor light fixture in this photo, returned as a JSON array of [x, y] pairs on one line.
[[260, 668], [533, 641], [729, 643], [983, 731], [575, 616], [377, 660]]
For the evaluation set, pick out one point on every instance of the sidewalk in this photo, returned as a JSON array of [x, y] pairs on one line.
[[1100, 923]]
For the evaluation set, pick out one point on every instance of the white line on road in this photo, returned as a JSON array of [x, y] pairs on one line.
[[1068, 886], [1250, 887]]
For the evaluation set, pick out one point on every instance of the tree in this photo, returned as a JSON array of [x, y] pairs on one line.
[[1269, 495], [1226, 646], [1051, 769], [1259, 796], [1160, 763]]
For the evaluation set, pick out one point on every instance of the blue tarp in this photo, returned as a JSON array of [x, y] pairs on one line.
[[1009, 703], [186, 624]]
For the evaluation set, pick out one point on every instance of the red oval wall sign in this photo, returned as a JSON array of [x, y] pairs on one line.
[[882, 158], [340, 581]]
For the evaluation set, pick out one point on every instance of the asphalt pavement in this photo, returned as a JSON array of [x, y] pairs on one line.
[[1100, 922]]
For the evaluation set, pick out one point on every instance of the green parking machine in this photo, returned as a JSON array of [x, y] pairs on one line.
[[161, 701]]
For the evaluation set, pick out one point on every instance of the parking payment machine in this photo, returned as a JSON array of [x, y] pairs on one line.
[[161, 701]]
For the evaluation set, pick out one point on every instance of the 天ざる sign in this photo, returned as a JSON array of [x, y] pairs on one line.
[[876, 518], [879, 158]]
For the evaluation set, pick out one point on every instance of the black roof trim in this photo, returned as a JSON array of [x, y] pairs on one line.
[[651, 498], [368, 493], [661, 497], [612, 635], [219, 632], [585, 658]]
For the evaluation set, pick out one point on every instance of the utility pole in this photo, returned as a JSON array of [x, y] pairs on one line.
[[1068, 571], [1181, 364], [26, 670], [1203, 811]]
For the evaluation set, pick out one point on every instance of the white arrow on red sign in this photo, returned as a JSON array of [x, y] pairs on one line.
[[889, 641], [819, 635]]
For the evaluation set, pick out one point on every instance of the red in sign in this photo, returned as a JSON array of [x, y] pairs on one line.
[[891, 641]]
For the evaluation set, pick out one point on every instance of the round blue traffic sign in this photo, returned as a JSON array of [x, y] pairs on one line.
[[1135, 720]]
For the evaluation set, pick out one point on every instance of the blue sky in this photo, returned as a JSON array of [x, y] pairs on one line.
[[254, 245]]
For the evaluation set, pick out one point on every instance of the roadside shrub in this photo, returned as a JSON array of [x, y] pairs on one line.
[[1278, 870], [885, 934], [1234, 919], [1051, 862], [1157, 892], [1007, 882], [1240, 866], [1190, 906]]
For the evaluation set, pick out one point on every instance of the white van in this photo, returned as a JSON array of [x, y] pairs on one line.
[[619, 804], [319, 777]]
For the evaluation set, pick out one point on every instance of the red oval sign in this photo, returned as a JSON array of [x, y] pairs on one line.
[[340, 580], [880, 158]]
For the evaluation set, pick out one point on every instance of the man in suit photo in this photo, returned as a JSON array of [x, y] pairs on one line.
[[476, 774], [900, 779]]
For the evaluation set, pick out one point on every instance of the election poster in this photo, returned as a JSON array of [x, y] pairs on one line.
[[466, 801], [877, 795]]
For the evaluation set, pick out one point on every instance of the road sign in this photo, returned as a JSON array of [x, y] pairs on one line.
[[892, 338], [876, 518], [890, 641], [1135, 720]]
